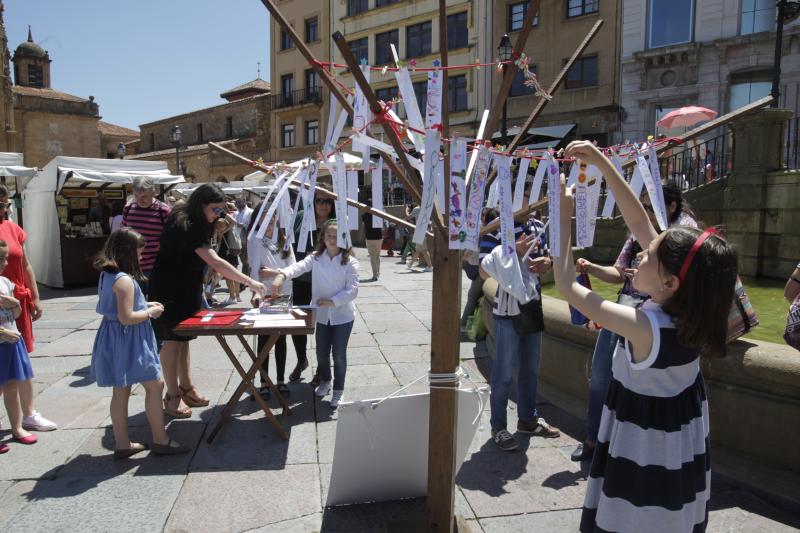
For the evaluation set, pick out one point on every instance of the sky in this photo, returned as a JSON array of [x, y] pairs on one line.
[[145, 60]]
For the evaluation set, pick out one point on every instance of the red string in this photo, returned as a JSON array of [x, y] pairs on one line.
[[419, 69]]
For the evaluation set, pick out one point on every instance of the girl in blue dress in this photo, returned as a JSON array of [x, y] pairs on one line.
[[125, 351]]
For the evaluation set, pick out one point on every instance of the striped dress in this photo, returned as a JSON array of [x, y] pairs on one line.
[[149, 222], [651, 469]]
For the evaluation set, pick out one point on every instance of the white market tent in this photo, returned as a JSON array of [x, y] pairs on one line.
[[12, 165], [44, 244]]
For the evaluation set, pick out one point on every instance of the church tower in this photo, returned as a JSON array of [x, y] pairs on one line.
[[31, 65], [8, 133]]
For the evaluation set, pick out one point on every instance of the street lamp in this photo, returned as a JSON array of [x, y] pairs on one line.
[[176, 142], [788, 10], [504, 52], [121, 150]]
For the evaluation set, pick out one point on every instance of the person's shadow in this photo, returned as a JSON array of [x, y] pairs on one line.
[[489, 469]]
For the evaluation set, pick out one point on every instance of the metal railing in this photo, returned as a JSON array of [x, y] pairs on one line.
[[311, 95], [792, 152], [698, 162]]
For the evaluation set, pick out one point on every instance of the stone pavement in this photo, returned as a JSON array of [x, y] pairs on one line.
[[251, 480]]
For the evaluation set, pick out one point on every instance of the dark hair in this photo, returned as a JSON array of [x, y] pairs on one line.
[[321, 241], [489, 214], [3, 191], [191, 212], [281, 231], [120, 254], [3, 244], [703, 300], [673, 193]]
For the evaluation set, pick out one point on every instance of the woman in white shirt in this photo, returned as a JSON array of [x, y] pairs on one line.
[[334, 287]]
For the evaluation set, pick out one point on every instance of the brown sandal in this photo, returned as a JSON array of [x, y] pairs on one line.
[[191, 398], [175, 413]]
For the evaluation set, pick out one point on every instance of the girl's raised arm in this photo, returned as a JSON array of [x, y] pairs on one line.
[[626, 321], [629, 205]]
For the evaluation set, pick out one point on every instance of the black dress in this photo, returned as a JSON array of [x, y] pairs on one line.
[[177, 277]]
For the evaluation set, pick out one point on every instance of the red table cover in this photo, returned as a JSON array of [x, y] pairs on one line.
[[218, 318]]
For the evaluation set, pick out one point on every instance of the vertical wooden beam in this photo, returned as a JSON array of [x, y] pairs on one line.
[[445, 314]]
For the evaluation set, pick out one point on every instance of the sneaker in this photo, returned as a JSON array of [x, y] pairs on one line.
[[427, 269], [538, 427], [338, 397], [322, 389], [504, 440], [583, 452], [37, 422]]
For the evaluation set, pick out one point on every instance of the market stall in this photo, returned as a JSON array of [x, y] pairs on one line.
[[15, 176], [67, 206]]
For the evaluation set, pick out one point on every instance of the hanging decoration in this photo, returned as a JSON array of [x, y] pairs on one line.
[[458, 162], [475, 203]]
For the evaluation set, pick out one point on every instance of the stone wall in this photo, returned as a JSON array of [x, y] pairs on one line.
[[47, 135]]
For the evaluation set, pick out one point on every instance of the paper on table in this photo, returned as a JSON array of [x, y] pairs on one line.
[[270, 322]]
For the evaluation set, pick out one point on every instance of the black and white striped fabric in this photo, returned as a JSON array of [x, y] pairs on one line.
[[651, 469]]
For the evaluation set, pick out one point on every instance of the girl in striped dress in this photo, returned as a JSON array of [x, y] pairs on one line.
[[651, 468]]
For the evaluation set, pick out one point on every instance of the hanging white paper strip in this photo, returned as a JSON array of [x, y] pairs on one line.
[[336, 132], [637, 184], [538, 179], [377, 193], [652, 192], [362, 115], [554, 197], [339, 177], [587, 193], [572, 179], [261, 211], [433, 108], [431, 160], [265, 203], [277, 201], [298, 200], [519, 186], [491, 201], [352, 193], [608, 207], [441, 193], [594, 199], [474, 153], [387, 149], [457, 195], [475, 203], [656, 172], [309, 216], [410, 104], [503, 182]]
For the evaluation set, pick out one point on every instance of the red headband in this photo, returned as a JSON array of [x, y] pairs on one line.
[[693, 251]]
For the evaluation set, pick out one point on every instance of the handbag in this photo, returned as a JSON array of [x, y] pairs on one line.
[[742, 317], [792, 333], [530, 318], [233, 241]]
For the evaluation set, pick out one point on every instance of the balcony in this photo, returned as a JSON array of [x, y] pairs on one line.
[[312, 95]]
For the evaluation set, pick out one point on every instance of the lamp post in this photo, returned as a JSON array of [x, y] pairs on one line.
[[176, 142], [504, 52], [788, 10], [121, 150]]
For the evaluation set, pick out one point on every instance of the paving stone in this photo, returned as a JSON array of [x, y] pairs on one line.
[[48, 335], [552, 522], [408, 372], [73, 323], [304, 524], [403, 339], [375, 517], [12, 494], [98, 503], [87, 405], [473, 350], [736, 510], [43, 458], [361, 375], [80, 364], [367, 308], [94, 324], [259, 497], [414, 353], [76, 343], [387, 316], [326, 440], [365, 355], [479, 370]]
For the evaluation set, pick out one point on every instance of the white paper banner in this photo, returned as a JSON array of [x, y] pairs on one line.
[[458, 163], [336, 132], [411, 106], [538, 179], [491, 201], [503, 182], [441, 193], [377, 193], [387, 149], [554, 197], [309, 216], [586, 197], [474, 151], [352, 193], [572, 179], [432, 140], [339, 177], [261, 210], [608, 208], [362, 115], [475, 203], [594, 199], [655, 170], [519, 186], [298, 200], [652, 192], [277, 201], [433, 108], [637, 184]]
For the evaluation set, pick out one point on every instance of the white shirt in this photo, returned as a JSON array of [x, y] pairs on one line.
[[332, 280], [242, 218], [7, 319], [265, 253]]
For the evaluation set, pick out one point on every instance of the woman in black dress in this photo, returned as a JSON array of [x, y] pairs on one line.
[[177, 282]]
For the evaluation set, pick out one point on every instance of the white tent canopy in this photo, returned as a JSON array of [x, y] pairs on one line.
[[12, 164]]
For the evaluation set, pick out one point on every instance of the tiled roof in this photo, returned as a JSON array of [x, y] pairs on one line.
[[257, 85], [171, 151], [106, 128], [46, 93]]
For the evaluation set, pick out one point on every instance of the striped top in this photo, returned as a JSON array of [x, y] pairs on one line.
[[149, 222], [651, 469]]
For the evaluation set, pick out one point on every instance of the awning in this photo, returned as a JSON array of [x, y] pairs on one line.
[[159, 177], [551, 132], [12, 164]]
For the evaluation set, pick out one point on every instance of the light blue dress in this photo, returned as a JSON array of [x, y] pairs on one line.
[[122, 355]]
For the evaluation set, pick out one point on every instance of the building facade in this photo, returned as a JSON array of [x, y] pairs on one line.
[[586, 105], [299, 103], [8, 133], [712, 53]]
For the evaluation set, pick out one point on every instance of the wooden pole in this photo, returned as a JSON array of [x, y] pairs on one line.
[[445, 321], [408, 180], [319, 190]]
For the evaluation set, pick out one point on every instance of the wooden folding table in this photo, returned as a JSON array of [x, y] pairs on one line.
[[240, 329]]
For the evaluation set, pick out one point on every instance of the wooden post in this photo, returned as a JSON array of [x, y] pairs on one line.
[[445, 321]]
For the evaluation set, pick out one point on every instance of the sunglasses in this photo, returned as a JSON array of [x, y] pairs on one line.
[[217, 210], [322, 201]]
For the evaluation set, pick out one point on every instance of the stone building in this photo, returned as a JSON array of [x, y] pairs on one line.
[[300, 104], [713, 53], [242, 124], [586, 105], [8, 133]]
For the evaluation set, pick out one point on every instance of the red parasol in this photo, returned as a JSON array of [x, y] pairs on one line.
[[686, 116]]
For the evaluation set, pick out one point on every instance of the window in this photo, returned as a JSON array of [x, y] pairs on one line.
[[360, 49], [518, 87], [757, 16], [381, 3], [35, 76], [457, 31], [383, 54], [582, 74], [457, 93], [199, 128], [312, 132], [386, 94], [312, 33], [421, 92], [516, 16], [286, 41], [229, 127], [670, 22], [312, 84], [749, 87], [287, 88], [418, 39], [354, 7], [287, 135], [576, 8]]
